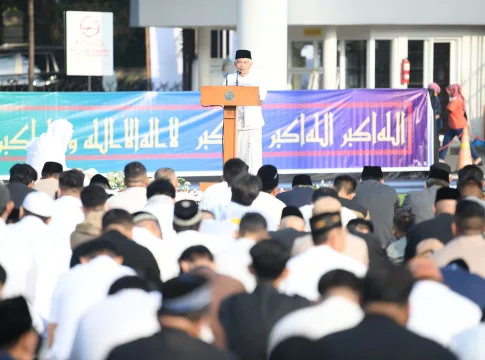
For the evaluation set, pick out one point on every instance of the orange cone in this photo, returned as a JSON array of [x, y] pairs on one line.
[[465, 154]]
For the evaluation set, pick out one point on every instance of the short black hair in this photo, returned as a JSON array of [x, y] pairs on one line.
[[301, 180], [134, 171], [117, 216], [340, 278], [23, 173], [129, 282], [232, 168], [469, 216], [161, 187], [403, 221], [391, 284], [252, 223], [269, 259], [352, 224], [345, 183], [245, 189], [99, 246], [93, 196], [196, 252], [3, 275], [324, 192], [71, 179]]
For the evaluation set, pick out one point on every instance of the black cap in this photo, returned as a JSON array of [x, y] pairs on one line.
[[18, 192], [302, 180], [291, 211], [470, 173], [186, 294], [441, 166], [243, 54], [438, 174], [322, 223], [372, 172], [447, 194], [51, 167], [100, 180], [16, 320], [186, 213], [269, 177]]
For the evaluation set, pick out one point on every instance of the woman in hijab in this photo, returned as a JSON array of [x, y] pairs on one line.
[[434, 90], [457, 122]]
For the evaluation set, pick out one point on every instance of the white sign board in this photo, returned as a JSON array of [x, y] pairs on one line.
[[89, 43]]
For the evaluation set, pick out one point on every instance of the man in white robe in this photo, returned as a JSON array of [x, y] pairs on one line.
[[250, 120]]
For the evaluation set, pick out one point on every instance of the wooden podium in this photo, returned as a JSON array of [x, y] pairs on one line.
[[229, 97]]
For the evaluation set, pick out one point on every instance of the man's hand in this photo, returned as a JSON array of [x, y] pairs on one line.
[[8, 211]]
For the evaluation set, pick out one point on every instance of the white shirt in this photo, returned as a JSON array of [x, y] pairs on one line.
[[163, 251], [214, 195], [234, 262], [132, 199], [332, 315], [268, 204], [233, 212], [126, 316], [470, 344], [186, 239], [306, 269], [345, 213], [35, 234], [79, 289], [248, 117], [161, 207], [438, 313]]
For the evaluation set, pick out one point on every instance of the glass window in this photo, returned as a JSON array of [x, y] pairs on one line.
[[306, 54], [416, 60], [383, 64], [356, 63]]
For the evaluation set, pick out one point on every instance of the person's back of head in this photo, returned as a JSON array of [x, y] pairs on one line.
[[386, 292], [359, 225], [372, 173], [148, 222], [470, 181], [446, 200], [232, 169], [326, 226], [99, 247], [129, 283], [341, 283], [345, 185], [253, 226], [469, 218], [301, 181], [245, 189], [161, 187], [52, 169], [100, 181], [38, 204], [195, 257], [402, 221], [269, 178], [118, 220], [24, 174], [186, 216], [94, 198], [438, 175], [71, 183], [135, 175], [167, 174], [324, 192], [269, 260], [292, 218]]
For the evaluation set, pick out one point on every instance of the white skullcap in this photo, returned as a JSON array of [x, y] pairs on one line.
[[39, 203]]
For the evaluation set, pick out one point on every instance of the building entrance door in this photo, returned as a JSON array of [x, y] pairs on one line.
[[441, 75]]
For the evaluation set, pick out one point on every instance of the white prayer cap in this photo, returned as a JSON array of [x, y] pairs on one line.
[[39, 203]]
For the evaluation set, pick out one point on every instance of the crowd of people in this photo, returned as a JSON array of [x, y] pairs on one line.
[[341, 272]]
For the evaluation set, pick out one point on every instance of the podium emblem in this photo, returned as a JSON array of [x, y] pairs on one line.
[[229, 95]]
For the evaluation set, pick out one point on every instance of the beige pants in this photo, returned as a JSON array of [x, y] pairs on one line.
[[250, 148]]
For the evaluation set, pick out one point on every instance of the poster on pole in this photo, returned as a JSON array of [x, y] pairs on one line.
[[89, 43]]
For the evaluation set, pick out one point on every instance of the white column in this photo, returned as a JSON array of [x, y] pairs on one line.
[[329, 58], [343, 65], [371, 64], [399, 51], [204, 55], [262, 28]]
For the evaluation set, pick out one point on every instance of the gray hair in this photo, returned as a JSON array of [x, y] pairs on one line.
[[165, 174]]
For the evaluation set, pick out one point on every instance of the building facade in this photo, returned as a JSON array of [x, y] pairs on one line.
[[327, 44]]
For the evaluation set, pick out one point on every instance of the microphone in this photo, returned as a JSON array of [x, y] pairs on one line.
[[226, 78], [237, 78]]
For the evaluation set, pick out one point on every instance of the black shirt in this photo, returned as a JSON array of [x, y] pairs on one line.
[[287, 236], [352, 205], [248, 319], [170, 344], [437, 228], [138, 257], [297, 197]]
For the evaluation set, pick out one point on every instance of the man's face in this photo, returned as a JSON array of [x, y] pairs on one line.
[[243, 65]]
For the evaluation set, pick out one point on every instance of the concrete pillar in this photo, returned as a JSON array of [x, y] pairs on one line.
[[262, 28], [371, 64], [204, 56], [329, 57], [343, 65], [399, 52]]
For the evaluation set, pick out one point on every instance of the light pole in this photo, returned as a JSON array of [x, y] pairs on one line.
[[31, 45]]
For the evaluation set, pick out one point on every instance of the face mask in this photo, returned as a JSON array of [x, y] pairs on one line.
[[206, 334]]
